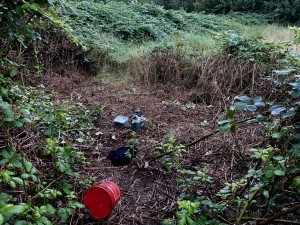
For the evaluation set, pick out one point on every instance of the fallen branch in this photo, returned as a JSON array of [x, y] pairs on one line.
[[276, 220], [282, 213]]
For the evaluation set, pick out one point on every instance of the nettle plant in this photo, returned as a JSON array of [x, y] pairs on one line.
[[172, 161]]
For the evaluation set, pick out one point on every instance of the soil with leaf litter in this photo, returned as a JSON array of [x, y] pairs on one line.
[[148, 195]]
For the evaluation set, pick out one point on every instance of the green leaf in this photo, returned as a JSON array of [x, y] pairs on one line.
[[26, 112], [251, 108], [240, 105], [17, 123], [277, 109], [25, 120], [296, 183], [182, 221], [277, 135], [284, 72], [279, 172], [1, 219], [18, 180], [9, 114], [13, 72], [260, 104], [14, 209], [7, 154], [233, 128], [222, 122], [257, 99], [4, 198], [25, 176], [291, 112], [230, 114], [226, 127], [4, 161], [244, 99]]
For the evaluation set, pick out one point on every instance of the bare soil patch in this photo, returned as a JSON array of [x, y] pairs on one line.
[[149, 195]]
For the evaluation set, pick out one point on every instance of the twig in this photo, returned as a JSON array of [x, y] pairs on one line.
[[239, 219], [282, 213]]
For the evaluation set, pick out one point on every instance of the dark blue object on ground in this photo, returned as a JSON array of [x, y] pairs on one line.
[[119, 156]]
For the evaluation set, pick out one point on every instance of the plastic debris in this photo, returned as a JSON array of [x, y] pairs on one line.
[[121, 121]]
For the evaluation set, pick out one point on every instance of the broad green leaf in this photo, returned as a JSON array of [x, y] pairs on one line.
[[244, 99], [1, 219], [25, 120], [45, 221], [4, 197], [182, 221], [276, 135], [257, 99], [277, 109], [6, 154], [190, 221], [251, 108], [13, 209], [240, 105], [279, 172], [260, 104], [17, 123], [26, 112], [291, 112], [9, 114], [224, 128]]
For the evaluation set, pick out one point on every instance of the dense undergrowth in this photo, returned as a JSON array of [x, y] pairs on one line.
[[43, 140]]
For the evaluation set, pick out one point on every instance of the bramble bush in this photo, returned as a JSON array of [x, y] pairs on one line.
[[270, 190]]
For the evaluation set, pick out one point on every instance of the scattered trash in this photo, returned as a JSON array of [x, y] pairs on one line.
[[121, 121], [122, 156], [189, 105], [137, 120], [137, 111], [101, 199]]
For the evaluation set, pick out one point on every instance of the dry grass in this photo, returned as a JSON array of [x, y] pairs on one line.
[[212, 79]]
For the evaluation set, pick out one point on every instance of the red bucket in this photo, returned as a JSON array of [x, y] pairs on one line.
[[101, 199]]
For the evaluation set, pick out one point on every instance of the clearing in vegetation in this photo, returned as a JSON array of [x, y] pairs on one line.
[[221, 144]]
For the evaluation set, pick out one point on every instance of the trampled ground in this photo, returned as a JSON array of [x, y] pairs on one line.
[[149, 194]]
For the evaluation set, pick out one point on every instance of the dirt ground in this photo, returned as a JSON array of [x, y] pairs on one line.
[[148, 195]]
